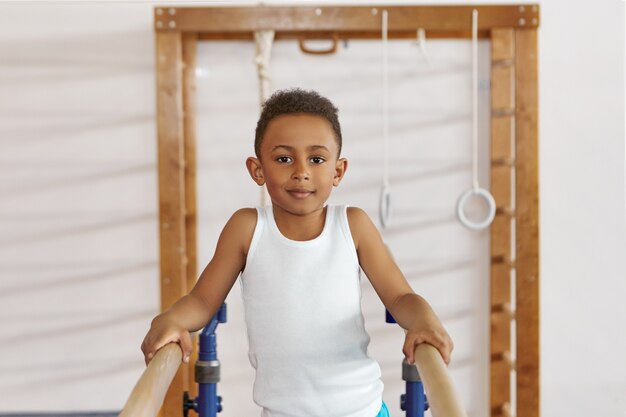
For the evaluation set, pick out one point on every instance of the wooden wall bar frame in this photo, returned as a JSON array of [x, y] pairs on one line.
[[189, 43], [341, 19], [502, 121], [527, 222], [179, 28], [172, 190]]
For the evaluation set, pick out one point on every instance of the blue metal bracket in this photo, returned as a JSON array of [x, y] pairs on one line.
[[207, 369], [414, 401]]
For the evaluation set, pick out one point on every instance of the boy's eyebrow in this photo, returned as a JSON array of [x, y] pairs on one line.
[[291, 148]]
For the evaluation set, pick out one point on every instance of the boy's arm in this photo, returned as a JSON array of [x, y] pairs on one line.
[[193, 311], [411, 312]]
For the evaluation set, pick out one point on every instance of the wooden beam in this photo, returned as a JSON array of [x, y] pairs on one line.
[[340, 18], [323, 35], [440, 391], [527, 222], [189, 127], [171, 189], [502, 105], [147, 396]]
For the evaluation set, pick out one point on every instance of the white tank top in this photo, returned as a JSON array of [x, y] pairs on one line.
[[307, 340]]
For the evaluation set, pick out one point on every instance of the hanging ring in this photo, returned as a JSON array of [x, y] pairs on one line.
[[460, 208], [385, 206]]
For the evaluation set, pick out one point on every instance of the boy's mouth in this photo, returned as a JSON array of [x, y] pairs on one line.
[[300, 193]]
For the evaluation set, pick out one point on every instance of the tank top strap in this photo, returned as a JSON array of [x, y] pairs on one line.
[[340, 214], [261, 225]]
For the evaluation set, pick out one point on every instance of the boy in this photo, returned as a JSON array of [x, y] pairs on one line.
[[299, 262]]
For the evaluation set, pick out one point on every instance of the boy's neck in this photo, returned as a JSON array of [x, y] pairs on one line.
[[300, 227]]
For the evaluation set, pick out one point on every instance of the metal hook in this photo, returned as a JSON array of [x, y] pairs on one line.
[[330, 50]]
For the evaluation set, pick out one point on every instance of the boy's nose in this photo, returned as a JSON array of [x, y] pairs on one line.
[[300, 173]]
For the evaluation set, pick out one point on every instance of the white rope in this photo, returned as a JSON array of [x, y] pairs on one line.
[[475, 98], [385, 98], [475, 190], [385, 194], [264, 40]]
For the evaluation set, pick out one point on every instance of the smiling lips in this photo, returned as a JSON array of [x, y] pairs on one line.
[[300, 193]]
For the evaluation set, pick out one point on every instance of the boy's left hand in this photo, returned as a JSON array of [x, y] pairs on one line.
[[435, 336]]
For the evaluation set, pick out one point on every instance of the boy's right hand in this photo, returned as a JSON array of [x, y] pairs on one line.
[[162, 333]]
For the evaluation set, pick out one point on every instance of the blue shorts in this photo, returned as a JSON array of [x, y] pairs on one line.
[[384, 411]]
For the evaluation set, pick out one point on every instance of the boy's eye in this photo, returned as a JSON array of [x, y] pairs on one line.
[[283, 159], [317, 160]]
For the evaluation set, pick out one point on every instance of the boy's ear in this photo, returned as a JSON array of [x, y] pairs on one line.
[[340, 170], [255, 170]]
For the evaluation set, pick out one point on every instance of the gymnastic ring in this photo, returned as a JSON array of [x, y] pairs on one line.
[[385, 206], [486, 195]]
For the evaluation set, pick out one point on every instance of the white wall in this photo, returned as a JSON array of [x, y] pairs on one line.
[[78, 231], [78, 220]]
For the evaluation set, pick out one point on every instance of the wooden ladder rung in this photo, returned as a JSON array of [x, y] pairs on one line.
[[502, 63], [503, 410], [506, 211], [504, 357], [504, 308], [502, 162], [502, 112], [502, 259]]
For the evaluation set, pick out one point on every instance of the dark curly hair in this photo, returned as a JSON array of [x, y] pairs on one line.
[[296, 100]]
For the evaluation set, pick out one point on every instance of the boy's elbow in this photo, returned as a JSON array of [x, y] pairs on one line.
[[400, 300]]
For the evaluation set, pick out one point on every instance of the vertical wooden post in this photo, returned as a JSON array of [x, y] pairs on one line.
[[527, 224], [171, 189], [502, 108], [189, 111]]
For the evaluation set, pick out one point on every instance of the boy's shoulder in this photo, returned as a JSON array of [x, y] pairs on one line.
[[361, 226], [244, 217], [242, 222], [240, 228], [246, 212], [356, 215]]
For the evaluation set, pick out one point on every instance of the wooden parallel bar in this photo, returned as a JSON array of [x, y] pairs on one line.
[[442, 397], [171, 189], [527, 226], [189, 42], [146, 398], [341, 18], [502, 95]]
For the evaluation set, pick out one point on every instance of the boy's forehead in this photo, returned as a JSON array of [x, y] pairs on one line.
[[300, 129], [290, 148], [297, 120]]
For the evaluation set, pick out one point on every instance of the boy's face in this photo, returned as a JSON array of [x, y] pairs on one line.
[[298, 162]]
